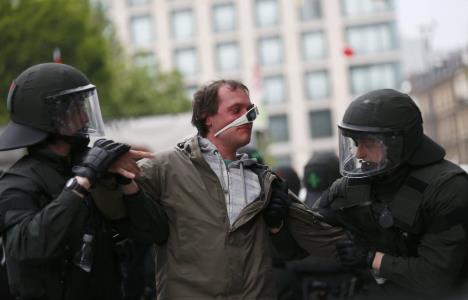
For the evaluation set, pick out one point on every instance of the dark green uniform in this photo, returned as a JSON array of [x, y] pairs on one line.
[[416, 218], [42, 226]]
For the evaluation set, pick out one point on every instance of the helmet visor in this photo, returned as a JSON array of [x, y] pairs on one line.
[[364, 154], [77, 112]]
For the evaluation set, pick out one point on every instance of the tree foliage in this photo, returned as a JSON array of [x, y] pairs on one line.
[[31, 29]]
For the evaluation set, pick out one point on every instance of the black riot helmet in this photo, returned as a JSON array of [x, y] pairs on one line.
[[320, 172], [380, 131], [50, 98], [288, 174]]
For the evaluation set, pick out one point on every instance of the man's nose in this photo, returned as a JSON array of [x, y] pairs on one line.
[[360, 152]]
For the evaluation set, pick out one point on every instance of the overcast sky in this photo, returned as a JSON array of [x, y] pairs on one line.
[[449, 19]]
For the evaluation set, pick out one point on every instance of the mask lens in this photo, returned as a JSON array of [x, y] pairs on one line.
[[248, 117], [252, 114]]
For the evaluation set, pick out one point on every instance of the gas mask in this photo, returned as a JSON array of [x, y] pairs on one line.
[[246, 118]]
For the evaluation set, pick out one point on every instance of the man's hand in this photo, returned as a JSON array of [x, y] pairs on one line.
[[278, 207], [99, 159], [126, 165], [126, 169], [354, 256]]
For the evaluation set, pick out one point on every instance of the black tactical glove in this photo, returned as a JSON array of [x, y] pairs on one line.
[[278, 207], [99, 159], [122, 180], [354, 256]]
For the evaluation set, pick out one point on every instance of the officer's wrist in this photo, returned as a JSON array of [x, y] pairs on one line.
[[377, 261], [130, 189], [84, 182], [78, 185], [85, 172]]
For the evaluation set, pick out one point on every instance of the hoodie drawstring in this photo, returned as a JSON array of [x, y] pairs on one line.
[[243, 182]]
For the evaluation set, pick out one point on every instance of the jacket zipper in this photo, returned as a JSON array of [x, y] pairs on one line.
[[262, 179]]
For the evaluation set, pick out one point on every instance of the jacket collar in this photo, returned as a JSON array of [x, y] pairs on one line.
[[195, 146], [58, 162]]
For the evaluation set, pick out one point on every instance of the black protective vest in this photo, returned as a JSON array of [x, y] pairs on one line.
[[48, 183], [56, 278], [395, 223]]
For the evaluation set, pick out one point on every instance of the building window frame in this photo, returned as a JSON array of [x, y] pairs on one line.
[[214, 18], [278, 135], [261, 6], [316, 123]]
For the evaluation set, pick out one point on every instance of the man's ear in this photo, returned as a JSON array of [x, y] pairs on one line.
[[208, 121]]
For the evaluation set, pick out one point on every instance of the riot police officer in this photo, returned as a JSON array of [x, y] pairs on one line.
[[403, 204], [58, 239]]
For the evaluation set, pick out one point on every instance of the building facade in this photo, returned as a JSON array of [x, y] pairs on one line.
[[303, 60], [442, 95]]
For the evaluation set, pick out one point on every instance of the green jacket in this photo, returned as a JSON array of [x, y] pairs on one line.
[[42, 227], [426, 244], [205, 257]]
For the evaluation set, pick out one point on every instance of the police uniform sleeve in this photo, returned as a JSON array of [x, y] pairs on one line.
[[312, 229], [139, 216], [443, 246], [32, 231], [148, 220], [312, 233]]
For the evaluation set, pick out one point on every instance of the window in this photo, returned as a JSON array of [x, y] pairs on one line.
[[274, 90], [182, 23], [460, 86], [224, 17], [372, 38], [313, 45], [266, 12], [186, 61], [371, 77], [363, 7], [278, 128], [105, 5], [316, 84], [227, 56], [310, 10], [320, 124], [145, 59], [270, 51], [140, 30], [137, 2]]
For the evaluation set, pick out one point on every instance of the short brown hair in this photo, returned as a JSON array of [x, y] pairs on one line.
[[205, 102]]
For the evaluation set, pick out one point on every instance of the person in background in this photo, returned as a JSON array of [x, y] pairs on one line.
[[54, 201], [288, 174], [320, 172]]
